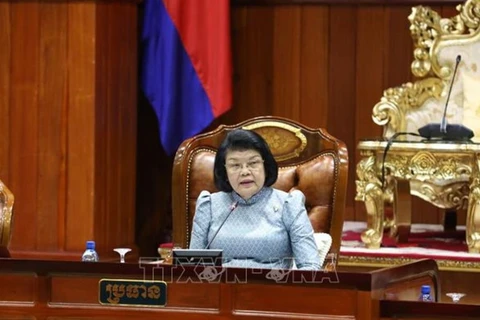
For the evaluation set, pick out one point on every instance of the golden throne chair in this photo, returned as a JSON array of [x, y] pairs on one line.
[[6, 216], [443, 173], [310, 160]]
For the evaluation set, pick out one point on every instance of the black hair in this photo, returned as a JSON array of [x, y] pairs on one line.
[[240, 140]]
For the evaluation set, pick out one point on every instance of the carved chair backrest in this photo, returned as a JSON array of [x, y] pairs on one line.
[[437, 43], [310, 160]]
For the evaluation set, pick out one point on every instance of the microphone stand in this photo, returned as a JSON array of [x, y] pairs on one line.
[[232, 208], [443, 131]]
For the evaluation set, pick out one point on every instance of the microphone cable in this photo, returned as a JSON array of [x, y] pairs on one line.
[[390, 141]]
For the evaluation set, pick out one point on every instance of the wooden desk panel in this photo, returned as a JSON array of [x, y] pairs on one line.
[[18, 288], [73, 290], [84, 290], [314, 299], [194, 295], [414, 310], [69, 290]]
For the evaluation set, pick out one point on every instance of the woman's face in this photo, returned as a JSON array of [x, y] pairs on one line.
[[245, 172]]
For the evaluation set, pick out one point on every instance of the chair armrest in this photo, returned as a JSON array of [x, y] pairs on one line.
[[396, 103], [324, 242]]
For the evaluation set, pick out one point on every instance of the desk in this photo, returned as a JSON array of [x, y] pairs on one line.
[[442, 173], [66, 289], [413, 310]]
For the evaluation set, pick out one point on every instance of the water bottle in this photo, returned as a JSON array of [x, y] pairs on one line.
[[90, 255], [425, 295]]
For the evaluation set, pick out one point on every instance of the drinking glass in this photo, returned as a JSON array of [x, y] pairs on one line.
[[165, 251], [122, 252], [169, 254], [455, 296]]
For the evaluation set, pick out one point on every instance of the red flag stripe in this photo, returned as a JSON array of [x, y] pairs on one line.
[[204, 28]]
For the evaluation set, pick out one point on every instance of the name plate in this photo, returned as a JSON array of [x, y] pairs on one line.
[[122, 292]]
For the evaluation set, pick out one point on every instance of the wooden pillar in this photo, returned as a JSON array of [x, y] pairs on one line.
[[68, 96]]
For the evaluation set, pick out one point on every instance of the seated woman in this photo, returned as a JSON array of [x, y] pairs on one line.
[[256, 225]]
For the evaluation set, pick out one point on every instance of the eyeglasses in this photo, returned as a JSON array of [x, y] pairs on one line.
[[253, 165]]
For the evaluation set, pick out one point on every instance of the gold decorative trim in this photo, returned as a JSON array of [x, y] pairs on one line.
[[428, 29], [179, 155], [406, 146], [443, 264], [6, 215], [296, 131], [443, 174]]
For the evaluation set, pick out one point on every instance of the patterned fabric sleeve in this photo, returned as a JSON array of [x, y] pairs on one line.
[[201, 221], [300, 231]]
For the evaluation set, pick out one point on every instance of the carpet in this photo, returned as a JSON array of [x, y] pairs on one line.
[[426, 241]]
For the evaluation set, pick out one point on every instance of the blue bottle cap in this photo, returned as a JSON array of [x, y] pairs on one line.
[[90, 244], [425, 289]]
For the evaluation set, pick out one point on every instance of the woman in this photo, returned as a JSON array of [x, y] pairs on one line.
[[256, 225]]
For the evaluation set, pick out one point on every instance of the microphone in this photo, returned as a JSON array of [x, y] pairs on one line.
[[444, 131], [232, 208]]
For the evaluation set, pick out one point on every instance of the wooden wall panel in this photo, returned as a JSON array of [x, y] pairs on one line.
[[314, 65], [24, 78], [68, 97], [116, 124], [5, 40], [253, 65], [80, 126], [369, 80], [286, 61], [51, 128], [341, 90], [398, 48]]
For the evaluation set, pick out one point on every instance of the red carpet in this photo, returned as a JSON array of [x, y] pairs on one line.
[[425, 241], [449, 241]]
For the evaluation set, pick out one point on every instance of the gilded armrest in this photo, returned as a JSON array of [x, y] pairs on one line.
[[392, 110]]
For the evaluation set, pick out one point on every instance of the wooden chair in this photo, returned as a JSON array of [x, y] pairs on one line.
[[6, 216], [309, 159]]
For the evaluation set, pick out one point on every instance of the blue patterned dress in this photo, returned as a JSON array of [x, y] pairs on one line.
[[265, 231]]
